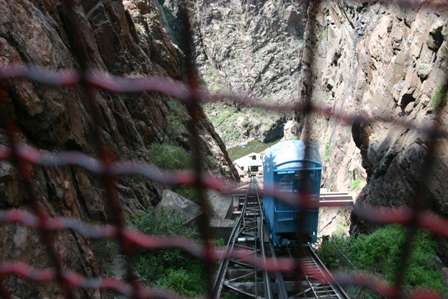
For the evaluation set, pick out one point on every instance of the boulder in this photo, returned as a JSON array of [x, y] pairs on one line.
[[219, 204], [185, 207]]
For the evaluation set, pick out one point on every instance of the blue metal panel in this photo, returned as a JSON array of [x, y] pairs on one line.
[[287, 168]]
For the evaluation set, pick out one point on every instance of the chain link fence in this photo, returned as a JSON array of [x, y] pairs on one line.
[[189, 92]]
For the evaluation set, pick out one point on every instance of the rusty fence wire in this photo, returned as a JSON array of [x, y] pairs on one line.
[[190, 93]]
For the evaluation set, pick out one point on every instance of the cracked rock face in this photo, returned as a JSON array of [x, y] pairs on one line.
[[381, 60], [252, 47], [369, 58], [114, 40]]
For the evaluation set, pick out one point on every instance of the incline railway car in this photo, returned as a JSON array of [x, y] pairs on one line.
[[287, 169]]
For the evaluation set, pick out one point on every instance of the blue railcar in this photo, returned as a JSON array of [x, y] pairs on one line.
[[286, 168]]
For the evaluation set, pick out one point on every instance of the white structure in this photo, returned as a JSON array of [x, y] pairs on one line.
[[250, 165]]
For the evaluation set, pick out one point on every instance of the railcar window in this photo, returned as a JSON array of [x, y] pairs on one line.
[[295, 182]]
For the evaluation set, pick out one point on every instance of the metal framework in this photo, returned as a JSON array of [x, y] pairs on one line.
[[244, 279], [247, 234], [291, 287], [24, 157]]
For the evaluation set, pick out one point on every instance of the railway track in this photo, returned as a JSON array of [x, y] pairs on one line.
[[246, 281]]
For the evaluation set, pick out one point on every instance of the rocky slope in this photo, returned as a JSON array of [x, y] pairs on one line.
[[251, 47], [122, 41]]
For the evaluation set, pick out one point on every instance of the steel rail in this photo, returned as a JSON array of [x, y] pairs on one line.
[[282, 292], [222, 270], [309, 286], [266, 277], [276, 285], [240, 276], [248, 233], [328, 288], [339, 292]]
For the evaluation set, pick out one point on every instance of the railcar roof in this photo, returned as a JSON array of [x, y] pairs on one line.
[[292, 150]]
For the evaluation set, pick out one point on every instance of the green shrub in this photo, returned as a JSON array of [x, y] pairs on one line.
[[438, 100], [357, 184], [187, 192], [220, 114], [170, 268], [327, 153], [219, 242], [168, 156], [162, 221], [331, 249], [379, 253], [322, 35], [183, 282], [175, 126], [176, 121], [253, 146], [173, 157], [105, 251], [231, 295]]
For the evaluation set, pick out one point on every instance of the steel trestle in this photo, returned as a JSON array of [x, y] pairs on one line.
[[248, 281]]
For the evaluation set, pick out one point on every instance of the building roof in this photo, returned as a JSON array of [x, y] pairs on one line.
[[248, 157]]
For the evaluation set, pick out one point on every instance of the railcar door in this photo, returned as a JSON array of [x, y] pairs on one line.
[[296, 181]]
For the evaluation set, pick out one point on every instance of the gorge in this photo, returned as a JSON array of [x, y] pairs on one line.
[[369, 57]]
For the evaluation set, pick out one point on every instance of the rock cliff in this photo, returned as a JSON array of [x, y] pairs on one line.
[[251, 47], [381, 60], [123, 39], [368, 57]]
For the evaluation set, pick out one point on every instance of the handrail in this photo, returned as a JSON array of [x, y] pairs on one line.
[[300, 161]]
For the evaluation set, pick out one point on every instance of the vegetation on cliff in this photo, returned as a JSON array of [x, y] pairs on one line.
[[169, 156], [438, 100], [172, 268], [379, 253]]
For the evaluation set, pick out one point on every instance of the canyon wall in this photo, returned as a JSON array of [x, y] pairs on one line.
[[385, 60], [251, 47], [123, 39], [368, 57]]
